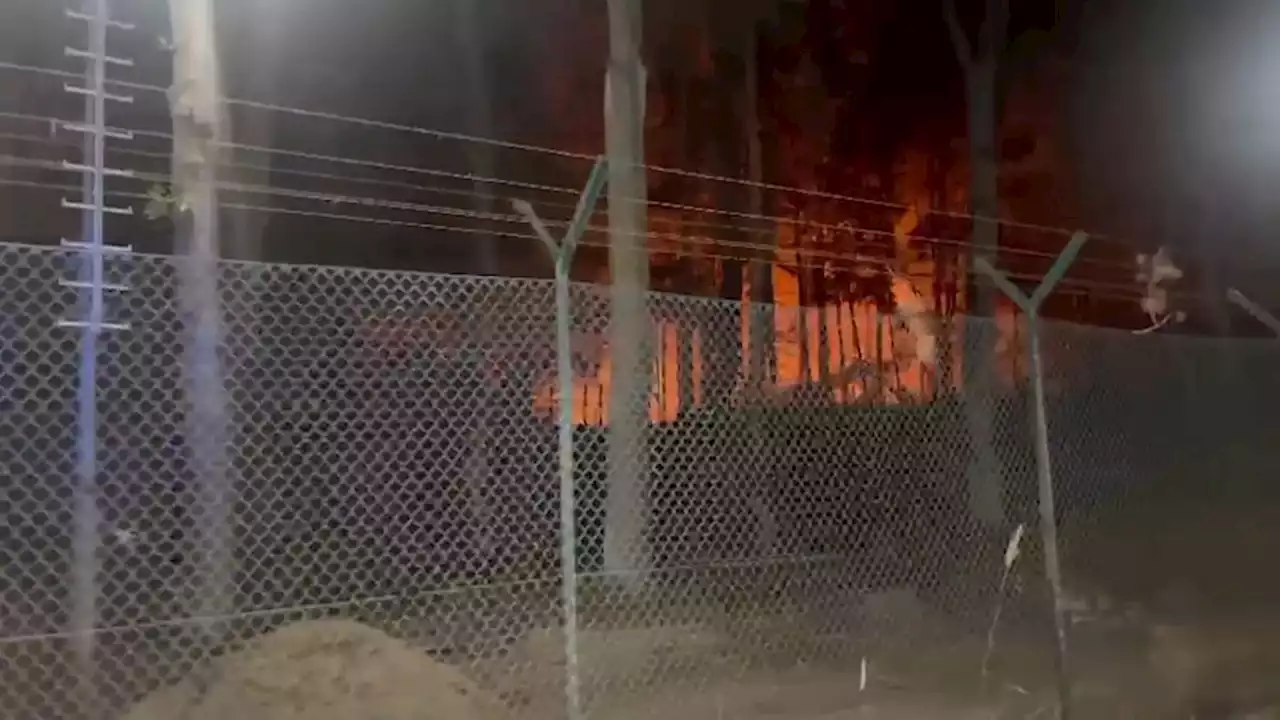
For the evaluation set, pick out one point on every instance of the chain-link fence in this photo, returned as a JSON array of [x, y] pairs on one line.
[[801, 551]]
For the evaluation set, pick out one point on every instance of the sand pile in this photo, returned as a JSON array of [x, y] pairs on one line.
[[322, 670]]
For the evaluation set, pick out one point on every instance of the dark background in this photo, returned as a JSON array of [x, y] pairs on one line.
[[1159, 115]]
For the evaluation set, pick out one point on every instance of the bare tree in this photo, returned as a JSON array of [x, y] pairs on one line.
[[629, 328], [980, 62], [197, 124], [734, 148]]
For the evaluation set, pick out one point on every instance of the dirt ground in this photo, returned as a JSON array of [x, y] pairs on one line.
[[322, 669], [699, 673]]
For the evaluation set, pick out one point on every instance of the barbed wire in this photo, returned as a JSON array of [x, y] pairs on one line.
[[770, 248], [804, 259], [804, 225], [464, 137], [336, 159], [827, 258], [277, 170], [876, 265]]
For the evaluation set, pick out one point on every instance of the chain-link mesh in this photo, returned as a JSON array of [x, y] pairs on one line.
[[384, 465], [1164, 463], [798, 549]]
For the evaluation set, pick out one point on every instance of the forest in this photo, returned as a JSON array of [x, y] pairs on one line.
[[827, 157]]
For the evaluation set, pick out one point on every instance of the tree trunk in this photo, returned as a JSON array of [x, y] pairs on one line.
[[944, 292], [839, 348], [728, 346], [802, 324], [824, 329], [726, 89], [687, 94], [984, 199], [684, 367], [893, 357], [629, 330], [763, 348], [985, 472], [880, 381], [853, 327], [197, 131]]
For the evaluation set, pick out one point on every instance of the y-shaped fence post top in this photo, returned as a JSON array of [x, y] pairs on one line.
[[1257, 311], [562, 250], [1048, 513], [1031, 305], [562, 254]]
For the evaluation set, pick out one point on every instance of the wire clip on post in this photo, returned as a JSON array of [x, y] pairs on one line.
[[562, 254], [1048, 515]]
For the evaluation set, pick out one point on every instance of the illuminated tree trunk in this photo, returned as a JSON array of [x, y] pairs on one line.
[[986, 472], [853, 326], [197, 128], [728, 333], [880, 362], [944, 294], [723, 89], [687, 96], [625, 551], [824, 328], [685, 329], [802, 323], [761, 354]]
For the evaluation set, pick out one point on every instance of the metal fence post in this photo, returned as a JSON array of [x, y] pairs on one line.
[[92, 286], [1048, 515], [1257, 311], [562, 254]]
